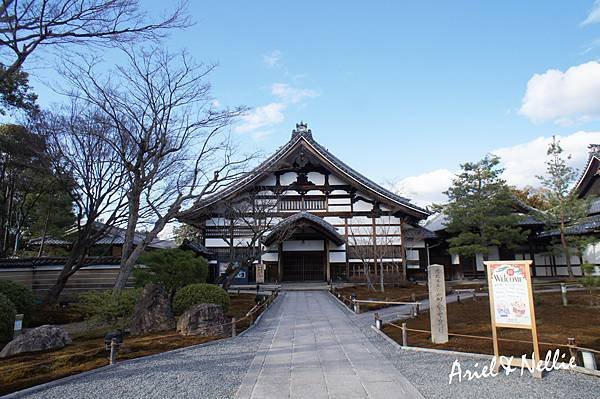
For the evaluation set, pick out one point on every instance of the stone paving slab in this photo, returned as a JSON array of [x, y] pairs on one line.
[[316, 351]]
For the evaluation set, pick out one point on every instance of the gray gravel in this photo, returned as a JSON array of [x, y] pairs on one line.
[[217, 370], [210, 371], [429, 373]]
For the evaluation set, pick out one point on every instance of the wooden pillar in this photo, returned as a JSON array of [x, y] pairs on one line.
[[346, 246], [280, 262], [374, 238], [327, 264]]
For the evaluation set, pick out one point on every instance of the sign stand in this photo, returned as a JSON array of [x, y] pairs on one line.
[[512, 306]]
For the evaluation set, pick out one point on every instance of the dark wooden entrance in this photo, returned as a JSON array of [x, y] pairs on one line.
[[303, 266]]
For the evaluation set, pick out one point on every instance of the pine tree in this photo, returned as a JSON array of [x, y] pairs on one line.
[[480, 210], [565, 208]]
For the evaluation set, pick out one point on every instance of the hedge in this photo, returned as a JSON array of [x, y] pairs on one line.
[[193, 294]]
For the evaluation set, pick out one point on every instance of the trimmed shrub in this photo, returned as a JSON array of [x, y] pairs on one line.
[[172, 269], [102, 307], [20, 296], [194, 294], [8, 311]]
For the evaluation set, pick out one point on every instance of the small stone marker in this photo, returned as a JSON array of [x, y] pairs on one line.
[[437, 304]]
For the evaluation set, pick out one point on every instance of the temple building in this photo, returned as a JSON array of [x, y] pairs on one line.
[[307, 216]]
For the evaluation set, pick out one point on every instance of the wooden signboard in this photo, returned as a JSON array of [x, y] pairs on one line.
[[511, 306], [260, 273]]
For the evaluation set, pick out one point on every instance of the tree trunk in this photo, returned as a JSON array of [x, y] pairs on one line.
[[566, 252], [73, 263], [128, 264], [133, 217], [44, 232], [403, 250]]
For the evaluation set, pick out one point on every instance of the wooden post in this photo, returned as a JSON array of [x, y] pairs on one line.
[[327, 265], [233, 332], [573, 349], [563, 292], [404, 335], [413, 297], [113, 351], [458, 296], [280, 262]]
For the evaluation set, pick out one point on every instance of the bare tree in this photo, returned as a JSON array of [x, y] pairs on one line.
[[91, 171], [249, 218], [361, 246], [26, 25], [167, 134]]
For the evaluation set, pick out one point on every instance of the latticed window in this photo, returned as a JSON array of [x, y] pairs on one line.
[[302, 204]]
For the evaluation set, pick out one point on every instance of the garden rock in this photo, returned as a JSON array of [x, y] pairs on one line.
[[37, 339], [152, 312], [205, 319]]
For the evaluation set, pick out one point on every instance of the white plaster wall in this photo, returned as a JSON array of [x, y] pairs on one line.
[[220, 243], [334, 220], [339, 208], [337, 247], [337, 257], [317, 193], [334, 180], [359, 220], [412, 254], [287, 178], [339, 201], [338, 192], [362, 206], [316, 177], [268, 181], [306, 245], [270, 257]]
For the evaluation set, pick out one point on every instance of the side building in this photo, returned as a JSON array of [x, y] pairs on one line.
[[307, 216]]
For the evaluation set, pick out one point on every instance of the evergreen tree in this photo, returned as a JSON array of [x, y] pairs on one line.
[[480, 210], [565, 208]]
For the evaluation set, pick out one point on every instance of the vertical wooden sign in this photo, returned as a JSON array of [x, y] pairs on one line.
[[511, 306], [260, 273]]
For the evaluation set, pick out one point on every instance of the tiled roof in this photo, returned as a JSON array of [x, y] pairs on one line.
[[196, 247], [113, 236], [590, 225], [302, 136], [292, 220]]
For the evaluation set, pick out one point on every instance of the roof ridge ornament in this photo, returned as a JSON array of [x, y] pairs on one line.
[[302, 130]]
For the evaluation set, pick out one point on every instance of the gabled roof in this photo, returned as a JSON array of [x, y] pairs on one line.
[[591, 170], [303, 218], [302, 136]]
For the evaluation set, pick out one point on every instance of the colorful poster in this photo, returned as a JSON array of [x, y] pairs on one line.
[[509, 287]]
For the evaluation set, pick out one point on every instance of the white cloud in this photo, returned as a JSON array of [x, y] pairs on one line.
[[594, 15], [291, 94], [521, 162], [564, 97], [261, 117], [273, 59], [216, 103], [426, 188]]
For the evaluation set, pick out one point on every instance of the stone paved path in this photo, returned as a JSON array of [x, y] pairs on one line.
[[313, 350]]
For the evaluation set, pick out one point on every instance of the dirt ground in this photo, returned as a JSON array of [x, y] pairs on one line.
[[555, 324], [391, 294], [87, 352]]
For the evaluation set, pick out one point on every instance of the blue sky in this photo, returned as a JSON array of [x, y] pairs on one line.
[[404, 91]]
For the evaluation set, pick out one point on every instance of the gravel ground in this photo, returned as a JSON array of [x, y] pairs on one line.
[[210, 371], [217, 370], [429, 373]]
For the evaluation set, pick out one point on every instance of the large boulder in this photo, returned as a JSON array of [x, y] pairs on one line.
[[152, 312], [205, 319], [37, 339]]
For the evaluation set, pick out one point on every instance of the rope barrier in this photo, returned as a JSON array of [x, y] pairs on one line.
[[499, 339]]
